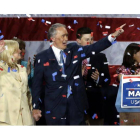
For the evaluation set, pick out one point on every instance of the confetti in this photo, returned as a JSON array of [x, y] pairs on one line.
[[6, 47], [60, 86], [47, 64], [48, 22], [102, 74], [83, 55], [75, 61], [63, 118], [40, 100], [63, 95], [2, 36], [30, 18], [105, 33], [95, 116], [100, 22], [107, 27], [85, 112], [63, 75], [138, 28], [76, 77], [101, 26], [88, 68], [75, 22], [68, 51], [114, 42], [22, 66], [18, 17], [80, 49], [48, 112], [114, 85], [1, 69], [14, 70], [8, 69], [72, 30], [69, 27], [45, 39], [39, 61], [34, 105], [0, 31], [63, 15], [138, 17], [46, 32], [88, 65], [125, 120], [93, 67], [91, 33], [76, 84], [130, 80], [106, 80], [106, 62], [93, 53], [75, 56], [131, 25], [115, 75], [54, 74], [28, 15], [118, 116], [128, 53], [118, 28], [54, 117], [115, 122]]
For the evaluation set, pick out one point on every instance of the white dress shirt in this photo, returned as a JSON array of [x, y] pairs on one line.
[[57, 54]]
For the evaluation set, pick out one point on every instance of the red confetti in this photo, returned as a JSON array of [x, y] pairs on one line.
[[91, 33], [134, 120], [88, 68], [46, 24], [75, 56], [115, 122], [54, 117], [121, 121], [131, 89], [22, 66], [100, 22], [96, 117], [1, 69], [30, 18], [63, 95], [130, 80], [60, 69], [72, 30], [105, 33], [115, 75], [23, 54], [79, 34], [118, 28], [46, 64]]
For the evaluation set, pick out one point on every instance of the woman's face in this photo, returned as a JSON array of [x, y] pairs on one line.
[[137, 57], [22, 53], [16, 55]]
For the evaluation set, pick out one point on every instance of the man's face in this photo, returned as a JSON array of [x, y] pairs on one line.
[[86, 39], [61, 38]]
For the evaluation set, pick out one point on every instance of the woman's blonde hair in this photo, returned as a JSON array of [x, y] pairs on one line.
[[7, 55]]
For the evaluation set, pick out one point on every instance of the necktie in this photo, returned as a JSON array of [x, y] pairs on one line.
[[63, 71], [86, 71]]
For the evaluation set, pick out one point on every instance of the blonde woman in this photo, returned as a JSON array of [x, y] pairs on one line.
[[15, 98]]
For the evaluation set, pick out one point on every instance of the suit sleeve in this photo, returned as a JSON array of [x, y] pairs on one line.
[[37, 83], [97, 47], [104, 80]]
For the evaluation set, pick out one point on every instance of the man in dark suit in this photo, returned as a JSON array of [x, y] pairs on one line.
[[96, 78], [60, 67]]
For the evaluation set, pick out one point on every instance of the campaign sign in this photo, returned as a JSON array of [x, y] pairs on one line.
[[130, 91]]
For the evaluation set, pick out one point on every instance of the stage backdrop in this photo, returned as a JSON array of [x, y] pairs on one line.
[[33, 30]]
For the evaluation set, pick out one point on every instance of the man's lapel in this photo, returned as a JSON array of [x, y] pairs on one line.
[[68, 53]]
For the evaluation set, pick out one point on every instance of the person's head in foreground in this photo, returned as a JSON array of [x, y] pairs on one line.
[[131, 58], [21, 47], [58, 35], [11, 53], [84, 36]]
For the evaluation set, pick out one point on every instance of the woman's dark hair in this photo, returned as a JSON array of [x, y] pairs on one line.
[[21, 43], [128, 58]]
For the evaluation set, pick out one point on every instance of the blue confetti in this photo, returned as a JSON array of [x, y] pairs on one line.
[[46, 32], [98, 24], [93, 117], [64, 55], [105, 98], [43, 20], [40, 100], [45, 39], [47, 112], [114, 42], [14, 70], [133, 71], [76, 84], [2, 36], [106, 80], [54, 74], [83, 55], [75, 22], [85, 112], [63, 15], [0, 31], [68, 91], [8, 69], [80, 49], [138, 28]]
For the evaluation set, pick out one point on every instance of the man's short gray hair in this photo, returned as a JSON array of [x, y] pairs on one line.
[[52, 29]]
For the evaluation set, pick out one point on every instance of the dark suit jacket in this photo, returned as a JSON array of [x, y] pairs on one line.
[[94, 91], [55, 91]]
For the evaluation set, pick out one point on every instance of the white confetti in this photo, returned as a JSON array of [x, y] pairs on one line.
[[68, 51], [69, 27], [6, 47], [76, 77], [114, 85], [48, 22], [63, 118], [101, 26], [131, 25], [93, 53], [18, 16], [34, 105], [125, 120], [63, 75], [75, 61], [102, 74], [33, 20], [128, 53], [93, 67], [138, 17], [106, 62], [89, 86], [107, 27], [28, 15], [88, 65], [38, 60], [118, 116], [60, 86]]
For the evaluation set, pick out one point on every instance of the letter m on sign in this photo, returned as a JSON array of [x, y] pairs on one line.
[[131, 93]]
